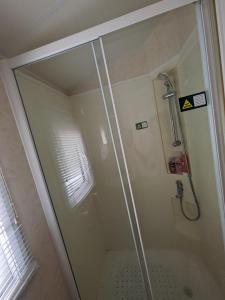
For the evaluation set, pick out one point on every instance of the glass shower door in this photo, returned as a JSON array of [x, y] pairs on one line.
[[68, 119], [126, 166], [160, 95]]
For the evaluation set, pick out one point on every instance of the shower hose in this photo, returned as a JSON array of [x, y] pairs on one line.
[[180, 195]]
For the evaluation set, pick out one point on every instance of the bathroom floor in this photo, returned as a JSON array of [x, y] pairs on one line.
[[174, 275]]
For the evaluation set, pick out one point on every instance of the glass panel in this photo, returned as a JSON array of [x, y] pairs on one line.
[[169, 152], [65, 110], [99, 55]]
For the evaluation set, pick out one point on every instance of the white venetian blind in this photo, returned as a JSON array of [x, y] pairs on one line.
[[72, 161], [16, 262]]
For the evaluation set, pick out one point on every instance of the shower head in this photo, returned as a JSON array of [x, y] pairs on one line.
[[163, 76], [167, 81], [170, 95]]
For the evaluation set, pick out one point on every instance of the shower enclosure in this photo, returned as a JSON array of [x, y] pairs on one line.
[[133, 178]]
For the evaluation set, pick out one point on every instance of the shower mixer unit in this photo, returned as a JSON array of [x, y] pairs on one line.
[[178, 164]]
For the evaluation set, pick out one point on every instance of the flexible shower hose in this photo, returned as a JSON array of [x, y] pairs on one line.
[[195, 201], [198, 215]]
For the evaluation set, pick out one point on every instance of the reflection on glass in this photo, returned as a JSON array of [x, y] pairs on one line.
[[72, 161], [169, 169], [66, 114]]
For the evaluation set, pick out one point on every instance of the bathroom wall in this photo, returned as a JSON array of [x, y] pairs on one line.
[[80, 226], [153, 187], [48, 282], [162, 224], [134, 56], [197, 133]]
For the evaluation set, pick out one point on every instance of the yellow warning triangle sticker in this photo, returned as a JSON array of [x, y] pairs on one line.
[[187, 104]]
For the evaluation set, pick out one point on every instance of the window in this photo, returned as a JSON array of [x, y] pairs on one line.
[[72, 162], [16, 262]]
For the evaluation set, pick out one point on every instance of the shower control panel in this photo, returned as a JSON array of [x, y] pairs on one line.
[[192, 101], [179, 164], [141, 125]]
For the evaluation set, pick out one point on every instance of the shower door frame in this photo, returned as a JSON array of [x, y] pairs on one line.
[[216, 116]]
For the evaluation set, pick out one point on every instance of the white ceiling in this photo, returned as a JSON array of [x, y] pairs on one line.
[[74, 71], [70, 70], [27, 24]]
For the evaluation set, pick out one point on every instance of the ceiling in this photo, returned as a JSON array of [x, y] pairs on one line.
[[28, 24], [70, 71], [130, 52]]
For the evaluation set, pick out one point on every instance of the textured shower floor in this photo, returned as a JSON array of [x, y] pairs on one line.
[[174, 276]]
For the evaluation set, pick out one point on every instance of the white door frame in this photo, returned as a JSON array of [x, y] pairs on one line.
[[6, 73], [220, 12], [216, 77]]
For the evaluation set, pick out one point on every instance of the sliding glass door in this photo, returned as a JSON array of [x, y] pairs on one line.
[[162, 101], [67, 116]]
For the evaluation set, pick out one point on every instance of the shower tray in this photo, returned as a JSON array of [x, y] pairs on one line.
[[174, 276]]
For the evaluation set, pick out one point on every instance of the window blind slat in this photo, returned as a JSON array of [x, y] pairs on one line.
[[7, 220], [71, 160], [15, 255], [8, 249], [21, 267], [17, 277]]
